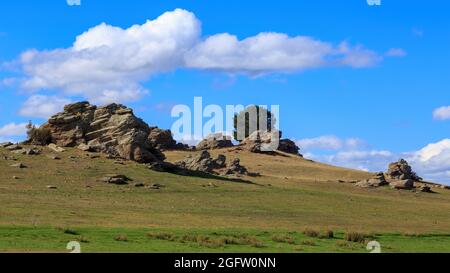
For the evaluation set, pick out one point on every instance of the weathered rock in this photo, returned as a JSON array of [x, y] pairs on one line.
[[163, 140], [235, 168], [14, 147], [215, 141], [139, 185], [260, 141], [54, 157], [112, 129], [19, 165], [401, 170], [377, 181], [117, 179], [155, 186], [55, 148], [51, 187], [407, 184], [289, 146], [201, 162], [6, 144]]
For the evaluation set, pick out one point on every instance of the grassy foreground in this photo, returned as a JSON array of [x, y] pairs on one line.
[[155, 240], [291, 194]]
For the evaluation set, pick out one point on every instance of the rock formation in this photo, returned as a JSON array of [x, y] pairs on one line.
[[163, 140], [401, 170], [203, 162], [112, 129], [215, 141], [399, 176], [254, 143]]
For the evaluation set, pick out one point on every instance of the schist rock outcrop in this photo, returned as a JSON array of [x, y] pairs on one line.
[[399, 176], [203, 162], [112, 129]]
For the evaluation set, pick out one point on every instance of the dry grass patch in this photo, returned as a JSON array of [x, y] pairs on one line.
[[311, 233], [121, 238], [356, 237], [283, 239], [162, 236]]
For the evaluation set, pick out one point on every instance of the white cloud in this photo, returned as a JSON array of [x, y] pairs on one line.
[[442, 113], [108, 64], [12, 130], [396, 52], [330, 143], [274, 52], [42, 106]]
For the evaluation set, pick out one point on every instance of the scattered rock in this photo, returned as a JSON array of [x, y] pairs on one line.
[[201, 162], [116, 179], [139, 185], [155, 186], [401, 170], [215, 141], [19, 165], [55, 148], [163, 140], [5, 144], [50, 187], [407, 184], [14, 147], [28, 151], [426, 189], [15, 177]]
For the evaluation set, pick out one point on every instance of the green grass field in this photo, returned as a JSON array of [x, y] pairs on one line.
[[292, 194]]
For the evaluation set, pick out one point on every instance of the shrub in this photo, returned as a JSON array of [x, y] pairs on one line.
[[311, 233], [329, 234], [38, 136], [162, 236], [283, 239], [121, 238], [356, 237]]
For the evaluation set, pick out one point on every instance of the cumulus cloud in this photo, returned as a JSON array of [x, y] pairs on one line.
[[12, 130], [442, 113], [431, 162], [109, 64], [274, 52], [42, 106]]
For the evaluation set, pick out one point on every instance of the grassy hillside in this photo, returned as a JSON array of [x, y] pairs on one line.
[[291, 195]]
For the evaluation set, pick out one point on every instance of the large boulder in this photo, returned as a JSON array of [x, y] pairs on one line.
[[215, 141], [257, 140], [401, 170], [112, 129], [406, 184], [202, 162], [163, 140]]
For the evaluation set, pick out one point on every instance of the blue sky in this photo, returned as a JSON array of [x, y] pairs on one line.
[[353, 114]]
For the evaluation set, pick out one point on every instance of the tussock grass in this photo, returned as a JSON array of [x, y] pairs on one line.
[[284, 239], [311, 233], [356, 237], [121, 238]]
